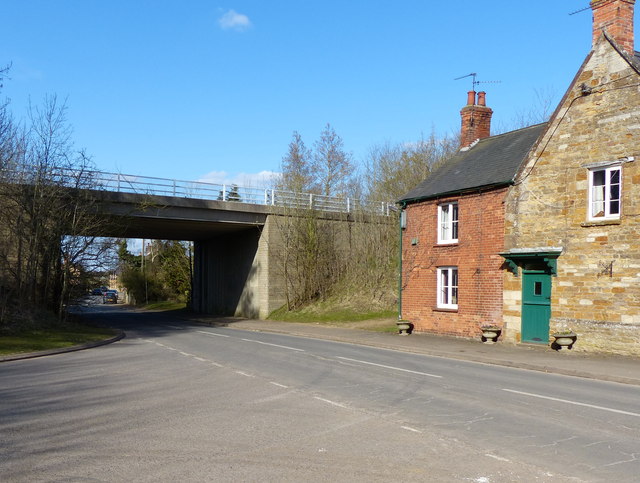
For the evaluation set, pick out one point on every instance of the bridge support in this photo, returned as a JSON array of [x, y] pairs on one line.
[[235, 274]]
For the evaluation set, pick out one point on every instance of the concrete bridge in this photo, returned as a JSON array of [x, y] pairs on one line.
[[234, 230]]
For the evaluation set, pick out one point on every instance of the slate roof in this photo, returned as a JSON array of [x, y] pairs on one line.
[[492, 162]]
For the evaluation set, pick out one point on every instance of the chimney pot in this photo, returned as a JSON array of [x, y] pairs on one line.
[[471, 98], [482, 98]]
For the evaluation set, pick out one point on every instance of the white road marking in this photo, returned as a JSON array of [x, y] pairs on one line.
[[279, 385], [274, 345], [575, 403], [200, 359], [390, 367], [186, 354], [409, 428], [212, 333], [333, 403], [244, 374], [499, 458]]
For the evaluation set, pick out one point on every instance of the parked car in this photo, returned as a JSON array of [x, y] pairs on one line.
[[96, 291], [110, 297]]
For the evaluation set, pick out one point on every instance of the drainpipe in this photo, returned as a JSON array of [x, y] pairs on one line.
[[401, 222]]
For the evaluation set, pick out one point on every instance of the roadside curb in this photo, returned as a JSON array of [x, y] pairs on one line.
[[468, 357], [89, 345]]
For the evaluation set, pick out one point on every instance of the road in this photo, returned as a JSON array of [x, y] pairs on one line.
[[174, 401]]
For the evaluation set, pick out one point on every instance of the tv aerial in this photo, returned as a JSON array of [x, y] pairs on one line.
[[475, 82], [581, 10]]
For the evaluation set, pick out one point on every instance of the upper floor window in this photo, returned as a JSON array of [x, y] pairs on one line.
[[604, 193], [447, 287], [448, 223]]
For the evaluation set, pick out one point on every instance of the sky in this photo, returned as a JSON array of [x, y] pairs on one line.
[[210, 91]]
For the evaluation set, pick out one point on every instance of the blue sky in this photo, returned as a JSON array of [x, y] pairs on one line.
[[201, 90]]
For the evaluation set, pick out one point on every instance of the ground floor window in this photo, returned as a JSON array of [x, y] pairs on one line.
[[448, 287]]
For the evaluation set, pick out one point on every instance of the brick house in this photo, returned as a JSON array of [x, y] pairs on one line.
[[551, 238], [572, 232], [452, 280]]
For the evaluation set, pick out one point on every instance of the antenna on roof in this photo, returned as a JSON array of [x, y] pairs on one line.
[[581, 10], [475, 82]]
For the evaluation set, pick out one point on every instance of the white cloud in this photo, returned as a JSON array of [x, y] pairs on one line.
[[232, 20], [263, 179]]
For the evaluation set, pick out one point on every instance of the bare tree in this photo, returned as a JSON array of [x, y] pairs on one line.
[[48, 216], [539, 108], [332, 165], [296, 167], [391, 170]]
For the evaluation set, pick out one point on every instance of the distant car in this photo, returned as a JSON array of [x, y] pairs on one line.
[[96, 291], [110, 297]]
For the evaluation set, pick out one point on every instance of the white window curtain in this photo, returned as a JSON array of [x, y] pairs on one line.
[[448, 287]]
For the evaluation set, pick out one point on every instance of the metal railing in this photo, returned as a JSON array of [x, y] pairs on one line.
[[148, 185]]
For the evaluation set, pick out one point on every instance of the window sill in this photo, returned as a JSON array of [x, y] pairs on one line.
[[447, 244], [587, 224], [442, 309]]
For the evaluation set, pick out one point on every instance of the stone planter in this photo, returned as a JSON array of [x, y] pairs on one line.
[[563, 340], [490, 334], [404, 327]]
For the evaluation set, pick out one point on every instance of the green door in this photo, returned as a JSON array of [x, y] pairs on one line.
[[536, 306]]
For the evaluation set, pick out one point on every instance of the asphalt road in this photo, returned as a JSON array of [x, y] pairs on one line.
[[175, 402]]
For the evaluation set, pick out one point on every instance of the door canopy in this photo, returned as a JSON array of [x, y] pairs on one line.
[[547, 257]]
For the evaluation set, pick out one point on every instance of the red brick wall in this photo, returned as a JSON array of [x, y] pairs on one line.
[[480, 239]]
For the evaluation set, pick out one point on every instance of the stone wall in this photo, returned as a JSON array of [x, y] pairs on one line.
[[597, 288], [480, 239]]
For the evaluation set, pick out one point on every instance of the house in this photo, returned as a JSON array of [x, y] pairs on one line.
[[539, 229], [451, 265], [572, 229]]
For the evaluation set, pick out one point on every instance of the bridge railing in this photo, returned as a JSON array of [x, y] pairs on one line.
[[126, 183]]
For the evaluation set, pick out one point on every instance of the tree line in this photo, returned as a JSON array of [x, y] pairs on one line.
[[48, 250], [162, 271], [355, 255]]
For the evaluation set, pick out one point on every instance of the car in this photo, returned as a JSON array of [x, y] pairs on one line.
[[96, 291], [110, 297]]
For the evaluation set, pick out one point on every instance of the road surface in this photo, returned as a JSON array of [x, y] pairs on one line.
[[182, 402]]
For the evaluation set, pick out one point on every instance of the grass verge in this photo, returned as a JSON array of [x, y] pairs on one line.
[[165, 306], [34, 340], [379, 321]]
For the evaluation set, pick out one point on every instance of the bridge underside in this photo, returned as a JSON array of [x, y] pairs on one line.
[[233, 275]]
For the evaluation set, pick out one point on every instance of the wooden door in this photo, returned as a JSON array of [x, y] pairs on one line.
[[536, 306]]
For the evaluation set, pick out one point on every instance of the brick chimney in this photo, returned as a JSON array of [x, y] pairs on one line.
[[476, 119], [616, 18]]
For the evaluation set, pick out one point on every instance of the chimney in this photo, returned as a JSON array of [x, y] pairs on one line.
[[476, 119], [615, 17]]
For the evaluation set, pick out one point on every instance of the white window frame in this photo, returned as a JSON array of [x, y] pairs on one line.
[[447, 287], [606, 202], [448, 226]]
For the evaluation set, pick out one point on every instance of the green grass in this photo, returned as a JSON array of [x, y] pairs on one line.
[[332, 316], [51, 338], [166, 305]]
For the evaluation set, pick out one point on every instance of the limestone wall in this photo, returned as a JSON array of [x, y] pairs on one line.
[[597, 289]]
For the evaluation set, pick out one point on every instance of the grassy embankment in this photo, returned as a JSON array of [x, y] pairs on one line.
[[347, 314], [51, 337]]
